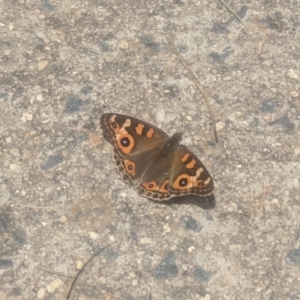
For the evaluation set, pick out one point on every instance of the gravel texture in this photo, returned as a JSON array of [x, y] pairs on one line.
[[63, 64]]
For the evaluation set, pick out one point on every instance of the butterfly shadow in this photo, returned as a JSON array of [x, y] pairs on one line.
[[208, 202]]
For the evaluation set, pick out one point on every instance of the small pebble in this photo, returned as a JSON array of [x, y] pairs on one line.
[[208, 248], [64, 153], [187, 141], [291, 73], [267, 63], [63, 219], [145, 241], [160, 115], [7, 52], [108, 297], [191, 249], [54, 285], [79, 264], [14, 167], [233, 205], [220, 125], [166, 228], [294, 94], [122, 44], [41, 293], [134, 282], [39, 97], [26, 117], [42, 64], [102, 280], [23, 119], [8, 140], [93, 235], [297, 151]]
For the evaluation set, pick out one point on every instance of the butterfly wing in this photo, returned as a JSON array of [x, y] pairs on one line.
[[134, 143], [188, 175], [181, 173]]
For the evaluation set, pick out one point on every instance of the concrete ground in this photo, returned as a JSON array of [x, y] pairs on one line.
[[63, 64]]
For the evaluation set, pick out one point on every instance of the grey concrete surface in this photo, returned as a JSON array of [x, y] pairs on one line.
[[63, 64]]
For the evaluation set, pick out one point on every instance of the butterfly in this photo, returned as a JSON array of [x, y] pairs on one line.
[[155, 164]]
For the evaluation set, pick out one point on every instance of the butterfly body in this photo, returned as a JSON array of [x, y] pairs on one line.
[[157, 165]]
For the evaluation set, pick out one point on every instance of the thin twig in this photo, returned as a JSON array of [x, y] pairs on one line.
[[170, 42], [231, 10], [70, 285]]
